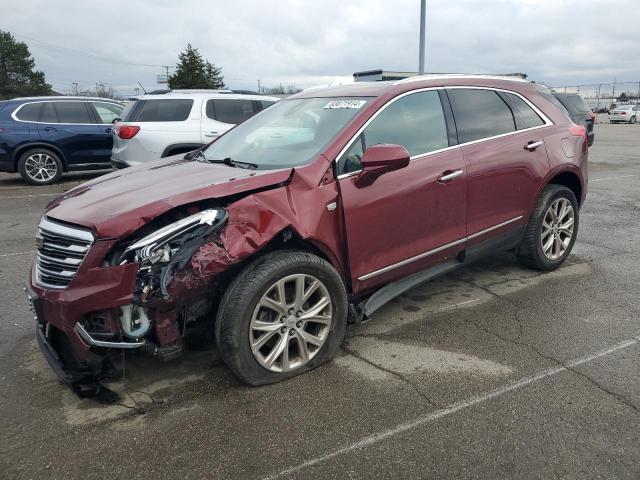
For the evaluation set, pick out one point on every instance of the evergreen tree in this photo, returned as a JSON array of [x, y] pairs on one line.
[[193, 71], [17, 75]]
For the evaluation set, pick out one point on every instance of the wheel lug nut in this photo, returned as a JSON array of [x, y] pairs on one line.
[[298, 314], [292, 332], [299, 324], [291, 311], [283, 319], [283, 330]]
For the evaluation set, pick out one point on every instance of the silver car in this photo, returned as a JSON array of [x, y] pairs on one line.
[[177, 122], [624, 114]]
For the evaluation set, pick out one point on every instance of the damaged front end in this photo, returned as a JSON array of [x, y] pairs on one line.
[[84, 333]]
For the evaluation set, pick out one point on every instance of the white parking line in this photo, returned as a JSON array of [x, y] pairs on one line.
[[611, 178], [420, 421], [18, 253], [33, 195]]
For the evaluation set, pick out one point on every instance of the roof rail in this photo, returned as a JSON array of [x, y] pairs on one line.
[[200, 90], [513, 77]]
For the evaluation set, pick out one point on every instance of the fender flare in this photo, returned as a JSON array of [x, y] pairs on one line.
[[175, 146]]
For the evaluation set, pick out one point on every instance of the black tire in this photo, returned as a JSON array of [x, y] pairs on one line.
[[52, 159], [632, 119], [530, 252], [239, 301]]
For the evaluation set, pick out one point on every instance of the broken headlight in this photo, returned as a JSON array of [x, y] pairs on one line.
[[159, 246]]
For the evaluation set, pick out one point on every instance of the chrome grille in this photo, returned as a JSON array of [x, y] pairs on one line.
[[61, 252]]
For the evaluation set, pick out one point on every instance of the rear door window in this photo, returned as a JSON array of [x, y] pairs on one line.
[[159, 110], [480, 114], [524, 115], [29, 112], [48, 113], [73, 112], [107, 112], [231, 110]]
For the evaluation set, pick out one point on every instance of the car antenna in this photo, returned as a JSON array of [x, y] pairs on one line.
[[145, 92]]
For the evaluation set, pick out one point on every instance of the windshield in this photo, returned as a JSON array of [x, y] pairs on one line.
[[624, 107], [287, 134]]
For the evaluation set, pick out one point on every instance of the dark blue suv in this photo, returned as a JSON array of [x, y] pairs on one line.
[[41, 137]]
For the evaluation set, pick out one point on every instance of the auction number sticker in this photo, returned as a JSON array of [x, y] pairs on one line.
[[345, 103]]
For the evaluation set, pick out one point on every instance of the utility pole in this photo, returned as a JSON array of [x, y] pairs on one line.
[[97, 92], [423, 14], [166, 69], [75, 88], [259, 92], [613, 94], [598, 99], [637, 95]]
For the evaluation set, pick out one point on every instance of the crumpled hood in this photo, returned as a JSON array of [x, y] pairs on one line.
[[117, 204]]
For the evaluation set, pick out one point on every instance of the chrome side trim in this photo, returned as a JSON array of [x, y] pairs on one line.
[[436, 250], [495, 227], [412, 259], [14, 113], [547, 122], [450, 176], [101, 343]]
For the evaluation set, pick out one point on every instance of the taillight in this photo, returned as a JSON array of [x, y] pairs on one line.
[[126, 131], [623, 113], [578, 130]]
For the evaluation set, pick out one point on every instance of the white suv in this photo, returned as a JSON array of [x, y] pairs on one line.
[[179, 121]]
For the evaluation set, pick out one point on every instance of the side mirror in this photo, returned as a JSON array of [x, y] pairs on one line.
[[380, 159], [116, 120]]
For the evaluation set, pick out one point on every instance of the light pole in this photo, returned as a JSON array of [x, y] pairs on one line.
[[423, 13]]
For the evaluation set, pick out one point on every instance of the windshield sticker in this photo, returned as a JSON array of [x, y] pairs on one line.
[[345, 104]]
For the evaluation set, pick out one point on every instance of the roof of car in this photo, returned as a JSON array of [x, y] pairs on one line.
[[205, 93], [376, 89]]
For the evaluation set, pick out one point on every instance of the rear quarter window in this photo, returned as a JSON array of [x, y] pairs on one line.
[[524, 115], [160, 110], [29, 112], [231, 110], [73, 112], [480, 114]]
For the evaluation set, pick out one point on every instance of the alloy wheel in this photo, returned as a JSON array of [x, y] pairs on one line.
[[557, 228], [290, 323], [41, 167]]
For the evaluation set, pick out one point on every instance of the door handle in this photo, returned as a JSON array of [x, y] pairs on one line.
[[211, 134], [531, 146], [449, 175], [107, 130], [50, 129]]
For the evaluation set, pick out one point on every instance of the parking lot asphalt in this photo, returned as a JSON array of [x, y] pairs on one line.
[[494, 371]]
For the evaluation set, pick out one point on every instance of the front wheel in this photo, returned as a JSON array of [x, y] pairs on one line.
[[283, 315], [552, 229]]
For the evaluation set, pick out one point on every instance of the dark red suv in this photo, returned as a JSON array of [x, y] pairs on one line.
[[309, 215]]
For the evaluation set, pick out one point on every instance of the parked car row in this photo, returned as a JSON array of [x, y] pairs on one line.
[[42, 137]]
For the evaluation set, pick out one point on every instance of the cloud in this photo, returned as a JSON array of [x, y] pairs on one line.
[[314, 42]]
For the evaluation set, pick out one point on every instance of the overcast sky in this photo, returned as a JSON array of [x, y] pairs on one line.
[[308, 42]]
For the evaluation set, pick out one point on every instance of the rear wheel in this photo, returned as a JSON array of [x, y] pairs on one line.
[[632, 119], [552, 229], [40, 166], [283, 315]]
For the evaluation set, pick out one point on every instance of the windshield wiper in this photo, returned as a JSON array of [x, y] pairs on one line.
[[231, 162]]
